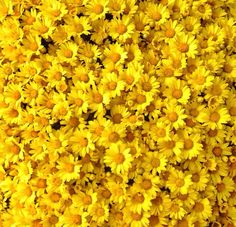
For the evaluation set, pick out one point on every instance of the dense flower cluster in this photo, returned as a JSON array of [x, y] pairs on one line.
[[118, 113]]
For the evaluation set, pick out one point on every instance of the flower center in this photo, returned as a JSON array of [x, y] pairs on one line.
[[121, 29], [113, 137], [77, 219], [170, 144], [136, 216], [146, 184], [183, 47], [147, 86], [215, 117], [228, 68], [13, 113], [119, 158], [173, 116], [170, 33], [153, 220], [15, 149], [138, 198], [41, 183], [74, 122], [182, 223], [55, 197], [112, 85], [83, 142], [79, 28], [179, 182], [177, 93], [220, 187], [155, 162], [97, 97], [78, 102], [198, 207], [100, 212], [232, 111], [98, 9], [156, 16], [115, 57], [195, 177], [168, 72], [140, 98], [188, 144], [217, 151], [53, 219], [68, 53], [116, 118], [87, 199]]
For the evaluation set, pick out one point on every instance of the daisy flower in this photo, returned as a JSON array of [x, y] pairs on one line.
[[53, 9], [96, 9], [148, 184], [67, 52], [71, 218], [112, 86], [170, 29], [76, 26], [149, 85], [135, 219], [179, 182], [121, 29], [214, 118], [192, 145], [201, 9], [172, 146], [157, 13], [118, 157], [142, 24], [224, 187], [134, 55], [78, 101], [185, 44], [114, 54], [174, 115], [229, 68], [116, 7], [202, 209], [200, 79], [81, 142], [200, 178], [99, 212], [177, 210], [177, 89], [191, 24], [217, 92], [43, 26], [68, 168]]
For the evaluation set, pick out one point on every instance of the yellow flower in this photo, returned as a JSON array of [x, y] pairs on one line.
[[157, 13], [96, 9], [185, 44], [99, 212], [154, 162], [177, 90], [121, 29], [202, 209], [68, 167], [214, 118], [200, 79], [68, 52], [224, 187], [174, 115], [178, 182], [118, 157]]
